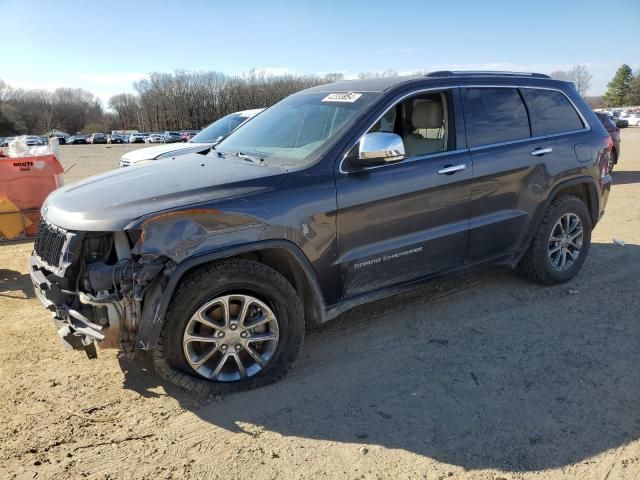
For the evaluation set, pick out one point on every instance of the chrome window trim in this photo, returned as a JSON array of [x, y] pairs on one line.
[[468, 149], [522, 140], [586, 128], [407, 160]]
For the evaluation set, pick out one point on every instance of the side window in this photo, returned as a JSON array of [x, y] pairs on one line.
[[494, 115], [424, 121], [551, 112]]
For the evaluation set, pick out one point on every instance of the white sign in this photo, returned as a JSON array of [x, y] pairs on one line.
[[347, 97]]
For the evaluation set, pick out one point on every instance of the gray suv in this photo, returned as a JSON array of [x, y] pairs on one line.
[[336, 196]]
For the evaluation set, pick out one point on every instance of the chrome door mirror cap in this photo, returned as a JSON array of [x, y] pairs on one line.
[[378, 148]]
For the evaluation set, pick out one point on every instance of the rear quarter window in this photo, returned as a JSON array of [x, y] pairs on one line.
[[494, 115], [551, 112]]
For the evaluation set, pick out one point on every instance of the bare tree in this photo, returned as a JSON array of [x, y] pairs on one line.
[[128, 111], [4, 91], [386, 73], [581, 78], [560, 75], [579, 75], [73, 108]]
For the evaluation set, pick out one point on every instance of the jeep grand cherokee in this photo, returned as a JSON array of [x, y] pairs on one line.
[[338, 195]]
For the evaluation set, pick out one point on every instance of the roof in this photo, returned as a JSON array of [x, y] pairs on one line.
[[249, 113], [57, 133], [382, 84], [366, 84]]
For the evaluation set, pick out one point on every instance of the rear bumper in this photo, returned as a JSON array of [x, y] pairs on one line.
[[605, 188]]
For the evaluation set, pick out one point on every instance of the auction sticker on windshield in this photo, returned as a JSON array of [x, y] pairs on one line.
[[348, 97]]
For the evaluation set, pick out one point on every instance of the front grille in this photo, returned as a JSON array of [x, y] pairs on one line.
[[49, 243]]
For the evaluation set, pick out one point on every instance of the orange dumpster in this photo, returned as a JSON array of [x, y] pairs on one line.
[[25, 183]]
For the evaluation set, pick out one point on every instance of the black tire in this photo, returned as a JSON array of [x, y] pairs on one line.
[[223, 278], [613, 161], [536, 264]]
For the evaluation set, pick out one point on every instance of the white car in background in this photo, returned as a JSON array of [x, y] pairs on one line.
[[154, 138], [202, 142], [32, 141], [632, 118], [137, 138]]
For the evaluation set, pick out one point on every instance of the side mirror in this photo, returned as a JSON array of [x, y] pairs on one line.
[[379, 148]]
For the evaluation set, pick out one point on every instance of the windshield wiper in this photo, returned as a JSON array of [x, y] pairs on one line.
[[245, 156]]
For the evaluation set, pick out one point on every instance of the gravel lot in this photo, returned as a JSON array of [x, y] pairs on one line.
[[483, 377]]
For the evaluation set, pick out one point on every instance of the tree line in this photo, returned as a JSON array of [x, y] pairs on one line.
[[163, 101], [190, 100], [38, 111]]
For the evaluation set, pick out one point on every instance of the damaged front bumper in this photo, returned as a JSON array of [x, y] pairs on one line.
[[75, 330]]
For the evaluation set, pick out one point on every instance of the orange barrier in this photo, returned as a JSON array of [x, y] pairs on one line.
[[25, 183]]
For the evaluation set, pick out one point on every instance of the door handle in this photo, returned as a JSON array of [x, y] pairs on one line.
[[449, 169], [538, 152]]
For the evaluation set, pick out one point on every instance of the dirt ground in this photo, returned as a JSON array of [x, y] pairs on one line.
[[483, 377]]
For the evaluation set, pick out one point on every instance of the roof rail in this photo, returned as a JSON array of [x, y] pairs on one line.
[[470, 73]]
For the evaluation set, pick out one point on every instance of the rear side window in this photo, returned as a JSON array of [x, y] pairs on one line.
[[551, 112], [494, 115]]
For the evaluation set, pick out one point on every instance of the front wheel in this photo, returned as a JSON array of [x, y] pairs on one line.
[[231, 326], [560, 246]]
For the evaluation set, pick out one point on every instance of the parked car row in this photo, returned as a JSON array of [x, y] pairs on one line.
[[622, 118], [30, 140], [101, 138], [632, 118]]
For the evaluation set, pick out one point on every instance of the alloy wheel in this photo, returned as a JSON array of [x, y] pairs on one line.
[[565, 241], [230, 338]]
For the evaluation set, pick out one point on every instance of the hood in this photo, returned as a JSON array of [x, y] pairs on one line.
[[110, 201], [151, 153]]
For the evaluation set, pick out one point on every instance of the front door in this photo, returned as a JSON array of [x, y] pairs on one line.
[[408, 220]]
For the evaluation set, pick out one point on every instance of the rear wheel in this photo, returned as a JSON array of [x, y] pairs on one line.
[[231, 326], [560, 246], [613, 160]]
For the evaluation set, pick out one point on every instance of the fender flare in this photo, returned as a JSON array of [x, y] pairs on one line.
[[150, 328]]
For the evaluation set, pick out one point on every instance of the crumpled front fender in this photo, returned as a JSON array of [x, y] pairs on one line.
[[181, 234]]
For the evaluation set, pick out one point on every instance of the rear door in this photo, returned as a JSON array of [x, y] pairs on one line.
[[517, 147]]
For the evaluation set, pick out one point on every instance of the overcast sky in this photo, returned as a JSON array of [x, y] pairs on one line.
[[105, 46]]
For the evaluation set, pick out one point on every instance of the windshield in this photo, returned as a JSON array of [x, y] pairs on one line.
[[299, 127], [218, 129]]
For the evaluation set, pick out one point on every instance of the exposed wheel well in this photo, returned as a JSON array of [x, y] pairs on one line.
[[285, 263], [586, 193]]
